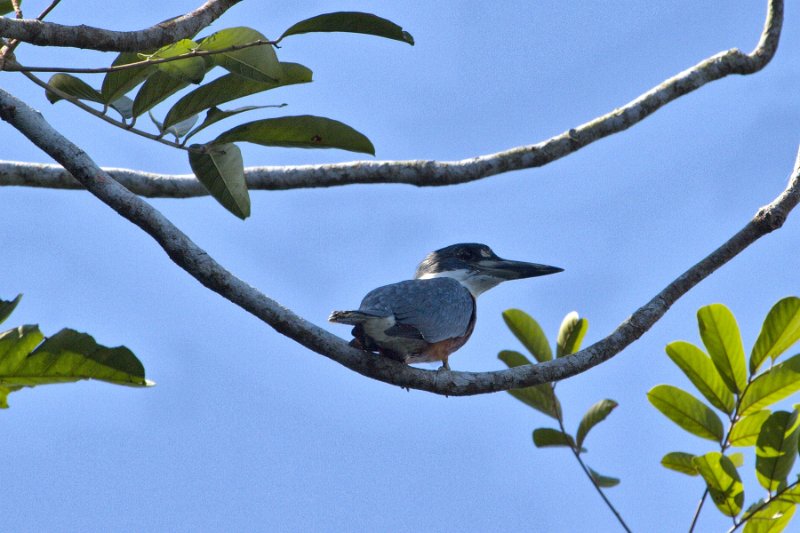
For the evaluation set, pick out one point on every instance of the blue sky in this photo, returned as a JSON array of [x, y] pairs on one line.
[[247, 430]]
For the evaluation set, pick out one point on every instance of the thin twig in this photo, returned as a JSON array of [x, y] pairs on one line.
[[764, 503]]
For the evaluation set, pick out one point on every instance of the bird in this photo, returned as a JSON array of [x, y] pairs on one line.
[[427, 318]]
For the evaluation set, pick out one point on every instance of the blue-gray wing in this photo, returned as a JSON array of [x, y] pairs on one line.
[[432, 309]]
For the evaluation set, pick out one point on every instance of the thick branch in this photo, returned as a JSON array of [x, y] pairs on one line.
[[202, 267], [438, 173], [50, 34]]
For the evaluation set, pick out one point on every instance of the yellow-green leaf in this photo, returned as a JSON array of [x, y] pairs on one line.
[[702, 373], [745, 431], [529, 333], [190, 69], [680, 462], [723, 482], [545, 437], [541, 397], [120, 82], [257, 63], [603, 481], [772, 518], [71, 86], [781, 329], [596, 414], [720, 334], [776, 449], [570, 334], [687, 411], [771, 386], [7, 307]]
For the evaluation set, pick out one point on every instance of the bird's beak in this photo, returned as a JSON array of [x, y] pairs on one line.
[[506, 269]]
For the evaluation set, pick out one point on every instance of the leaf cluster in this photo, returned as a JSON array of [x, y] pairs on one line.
[[252, 66], [734, 387]]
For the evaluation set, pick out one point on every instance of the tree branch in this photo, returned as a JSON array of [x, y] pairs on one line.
[[171, 30], [438, 173]]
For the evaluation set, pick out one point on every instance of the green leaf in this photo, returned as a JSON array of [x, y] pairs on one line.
[[723, 482], [791, 494], [603, 481], [7, 7], [216, 114], [220, 168], [546, 437], [720, 334], [72, 86], [687, 411], [570, 334], [745, 431], [596, 414], [351, 22], [771, 386], [120, 82], [737, 459], [680, 462], [529, 333], [257, 63], [776, 449], [541, 397], [66, 356], [781, 329], [155, 90], [230, 87], [702, 373], [124, 106], [189, 70], [772, 518], [303, 131], [7, 307]]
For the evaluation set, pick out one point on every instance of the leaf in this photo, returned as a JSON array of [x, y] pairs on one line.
[[230, 87], [6, 6], [220, 168], [529, 333], [596, 414], [771, 386], [7, 307], [680, 462], [772, 518], [541, 397], [155, 90], [257, 63], [687, 411], [303, 131], [781, 329], [776, 449], [702, 373], [120, 82], [720, 334], [189, 70], [351, 22], [75, 87], [216, 114], [66, 356], [124, 106], [723, 482], [546, 437], [603, 481], [182, 128], [745, 431], [570, 334], [737, 459]]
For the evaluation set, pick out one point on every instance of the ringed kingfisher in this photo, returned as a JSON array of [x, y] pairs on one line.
[[431, 316]]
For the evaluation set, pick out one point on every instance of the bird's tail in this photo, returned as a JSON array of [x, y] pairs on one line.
[[349, 317]]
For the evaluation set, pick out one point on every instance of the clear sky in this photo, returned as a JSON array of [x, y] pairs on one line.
[[248, 431]]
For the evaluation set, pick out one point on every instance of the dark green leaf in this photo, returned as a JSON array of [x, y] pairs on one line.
[[720, 334], [702, 373], [120, 82], [603, 481], [687, 411], [7, 307], [745, 431], [780, 330], [723, 482], [596, 414], [216, 114], [545, 437], [303, 131], [72, 86], [570, 334], [529, 333], [7, 7], [189, 70], [772, 518], [220, 169], [230, 87], [257, 63], [66, 356], [351, 22], [776, 449], [540, 397], [680, 462], [772, 386], [155, 90]]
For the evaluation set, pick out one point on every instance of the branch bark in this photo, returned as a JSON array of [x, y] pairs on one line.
[[438, 173], [171, 30]]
